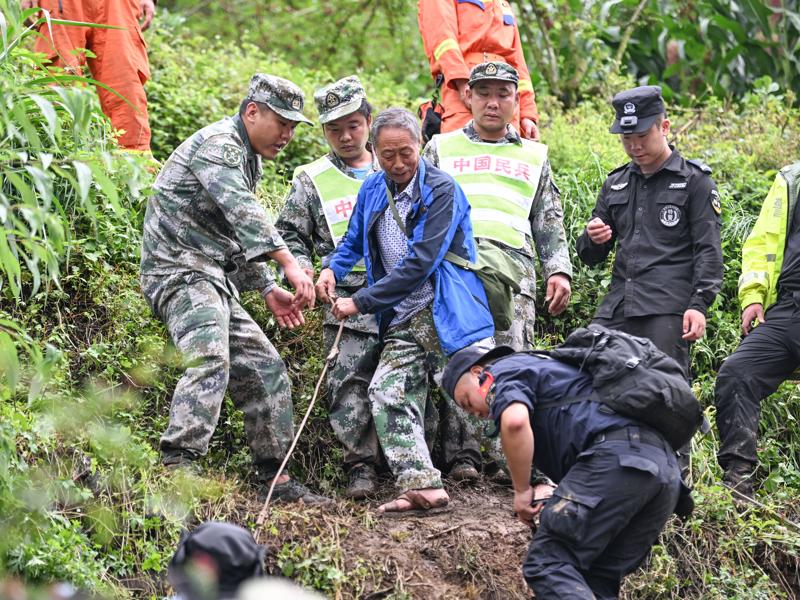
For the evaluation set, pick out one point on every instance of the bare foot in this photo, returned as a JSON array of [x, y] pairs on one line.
[[423, 499]]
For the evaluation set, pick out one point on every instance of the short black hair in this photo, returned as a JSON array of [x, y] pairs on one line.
[[243, 106]]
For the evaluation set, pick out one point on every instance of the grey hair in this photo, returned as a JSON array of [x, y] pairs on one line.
[[398, 118]]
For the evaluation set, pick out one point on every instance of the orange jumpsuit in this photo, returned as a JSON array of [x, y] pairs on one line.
[[459, 34], [120, 62]]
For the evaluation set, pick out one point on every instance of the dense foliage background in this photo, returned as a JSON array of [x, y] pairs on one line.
[[86, 373]]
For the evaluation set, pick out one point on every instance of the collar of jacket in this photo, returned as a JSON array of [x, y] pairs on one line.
[[245, 138]]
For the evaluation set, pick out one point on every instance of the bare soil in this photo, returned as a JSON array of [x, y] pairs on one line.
[[474, 550]]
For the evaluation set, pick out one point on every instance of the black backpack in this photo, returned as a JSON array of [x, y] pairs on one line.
[[633, 377]]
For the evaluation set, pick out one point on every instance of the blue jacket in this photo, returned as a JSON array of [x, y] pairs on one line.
[[439, 221]]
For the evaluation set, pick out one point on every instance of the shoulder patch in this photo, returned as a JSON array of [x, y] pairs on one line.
[[232, 155], [700, 165], [715, 202]]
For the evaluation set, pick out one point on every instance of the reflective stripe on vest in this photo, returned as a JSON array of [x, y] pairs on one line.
[[337, 193], [499, 181]]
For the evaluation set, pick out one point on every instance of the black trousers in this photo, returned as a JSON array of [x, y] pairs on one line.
[[603, 518], [764, 360], [665, 331]]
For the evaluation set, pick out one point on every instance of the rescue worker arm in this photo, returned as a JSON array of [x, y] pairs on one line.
[[760, 250], [147, 10], [431, 237], [527, 97], [438, 24], [704, 222], [351, 248], [547, 225], [589, 252], [296, 222], [517, 438]]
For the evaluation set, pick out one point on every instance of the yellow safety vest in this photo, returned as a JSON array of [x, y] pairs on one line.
[[762, 252], [337, 193], [499, 180]]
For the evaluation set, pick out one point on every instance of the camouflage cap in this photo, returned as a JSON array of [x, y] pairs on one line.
[[281, 95], [493, 71], [339, 99]]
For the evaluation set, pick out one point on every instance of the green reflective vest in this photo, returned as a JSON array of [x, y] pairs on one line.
[[762, 252], [337, 193], [499, 180]]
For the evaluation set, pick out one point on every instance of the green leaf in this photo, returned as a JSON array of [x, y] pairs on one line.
[[108, 187], [84, 176], [9, 361], [49, 113]]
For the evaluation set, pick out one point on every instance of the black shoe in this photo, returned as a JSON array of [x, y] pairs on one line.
[[362, 482], [292, 491], [739, 477], [463, 471]]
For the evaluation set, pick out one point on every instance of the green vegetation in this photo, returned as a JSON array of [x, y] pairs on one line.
[[86, 372]]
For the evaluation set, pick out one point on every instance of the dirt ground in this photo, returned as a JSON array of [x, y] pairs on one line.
[[474, 550]]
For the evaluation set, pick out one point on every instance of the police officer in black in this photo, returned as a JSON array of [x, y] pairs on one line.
[[664, 213], [618, 480]]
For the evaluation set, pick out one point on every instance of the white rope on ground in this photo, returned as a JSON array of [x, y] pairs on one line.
[[262, 516]]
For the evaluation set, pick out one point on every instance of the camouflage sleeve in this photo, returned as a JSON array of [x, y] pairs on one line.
[[253, 276], [296, 223], [547, 224], [431, 152], [219, 167]]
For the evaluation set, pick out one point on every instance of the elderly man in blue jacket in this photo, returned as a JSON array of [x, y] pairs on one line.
[[427, 307]]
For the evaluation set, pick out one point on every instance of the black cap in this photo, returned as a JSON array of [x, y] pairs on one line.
[[637, 109], [463, 360], [233, 549]]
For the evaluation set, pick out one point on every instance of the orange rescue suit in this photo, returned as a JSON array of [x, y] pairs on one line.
[[459, 34], [120, 62]]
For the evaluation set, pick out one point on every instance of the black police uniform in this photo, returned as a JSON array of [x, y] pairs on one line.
[[667, 225], [618, 481], [764, 360]]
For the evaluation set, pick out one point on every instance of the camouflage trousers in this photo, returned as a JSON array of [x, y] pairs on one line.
[[224, 349], [411, 363], [348, 385], [520, 335]]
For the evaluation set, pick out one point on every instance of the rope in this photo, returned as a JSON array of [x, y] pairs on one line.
[[262, 516]]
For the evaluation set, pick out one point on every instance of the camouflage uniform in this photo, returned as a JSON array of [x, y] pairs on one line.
[[205, 237], [304, 228], [549, 238], [412, 362]]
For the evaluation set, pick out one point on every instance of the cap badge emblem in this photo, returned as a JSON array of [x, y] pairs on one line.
[[491, 69], [297, 104], [331, 100], [629, 108]]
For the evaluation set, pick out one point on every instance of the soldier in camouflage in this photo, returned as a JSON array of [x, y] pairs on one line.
[[206, 238], [493, 163], [515, 203], [313, 220]]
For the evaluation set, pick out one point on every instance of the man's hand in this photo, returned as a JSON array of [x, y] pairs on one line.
[[26, 4], [147, 9], [462, 86], [558, 293], [303, 285], [344, 307], [522, 506], [598, 231], [750, 314], [309, 272], [529, 129], [326, 286], [694, 325], [281, 304], [541, 494]]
